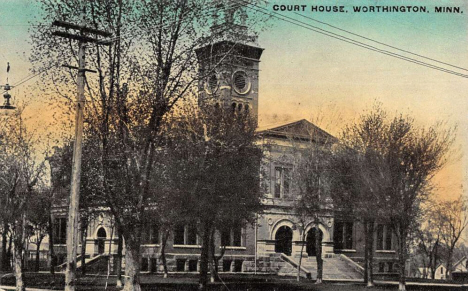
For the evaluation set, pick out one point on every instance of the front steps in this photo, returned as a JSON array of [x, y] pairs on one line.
[[334, 268]]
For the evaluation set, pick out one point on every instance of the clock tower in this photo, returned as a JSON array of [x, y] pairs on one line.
[[229, 65]]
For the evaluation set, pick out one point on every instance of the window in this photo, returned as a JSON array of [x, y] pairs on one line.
[[232, 236], [180, 265], [238, 266], [60, 230], [193, 265], [185, 235], [179, 234], [390, 267], [150, 234], [153, 265], [227, 265], [144, 264], [343, 235], [384, 237], [191, 235], [282, 182], [381, 267]]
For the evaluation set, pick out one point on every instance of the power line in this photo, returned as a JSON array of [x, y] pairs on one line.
[[352, 41], [370, 39]]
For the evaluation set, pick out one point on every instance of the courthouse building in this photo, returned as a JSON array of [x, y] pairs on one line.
[[230, 70]]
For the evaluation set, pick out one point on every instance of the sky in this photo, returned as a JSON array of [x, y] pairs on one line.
[[304, 74]]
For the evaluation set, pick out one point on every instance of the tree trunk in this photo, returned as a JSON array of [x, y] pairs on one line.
[[53, 258], [402, 261], [10, 243], [203, 280], [132, 264], [366, 252], [18, 255], [434, 261], [370, 251], [5, 263], [118, 261], [39, 242], [212, 258], [84, 234], [300, 257], [164, 238], [448, 271], [318, 247]]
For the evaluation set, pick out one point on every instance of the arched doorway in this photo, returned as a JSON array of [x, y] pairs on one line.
[[283, 240], [101, 240], [310, 246]]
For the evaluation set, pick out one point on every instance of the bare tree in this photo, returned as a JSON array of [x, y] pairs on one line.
[[428, 239], [361, 176], [451, 219], [399, 161], [313, 178], [149, 67], [20, 176], [38, 209]]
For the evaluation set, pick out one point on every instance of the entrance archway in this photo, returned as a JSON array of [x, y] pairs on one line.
[[310, 240], [283, 240], [101, 240]]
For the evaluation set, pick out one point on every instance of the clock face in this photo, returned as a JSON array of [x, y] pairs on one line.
[[212, 84], [241, 82]]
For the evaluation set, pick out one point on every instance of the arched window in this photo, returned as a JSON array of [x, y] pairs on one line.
[[283, 240], [101, 233], [101, 240]]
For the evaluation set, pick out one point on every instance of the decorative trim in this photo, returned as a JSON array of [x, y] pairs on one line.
[[346, 250], [234, 248], [187, 246], [385, 251]]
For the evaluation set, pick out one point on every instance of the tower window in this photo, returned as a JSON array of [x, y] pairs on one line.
[[241, 82], [211, 84]]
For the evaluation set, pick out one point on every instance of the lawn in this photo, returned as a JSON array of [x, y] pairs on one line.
[[233, 282]]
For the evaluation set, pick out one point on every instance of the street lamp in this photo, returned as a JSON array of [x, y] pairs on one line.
[[7, 105]]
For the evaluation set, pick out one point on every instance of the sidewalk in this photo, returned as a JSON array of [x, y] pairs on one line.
[[5, 288]]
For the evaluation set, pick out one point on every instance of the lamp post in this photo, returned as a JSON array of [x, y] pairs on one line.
[[7, 105]]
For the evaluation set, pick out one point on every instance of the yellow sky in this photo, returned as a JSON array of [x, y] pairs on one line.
[[305, 74]]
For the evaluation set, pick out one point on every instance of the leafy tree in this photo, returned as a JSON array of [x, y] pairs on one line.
[[213, 167]]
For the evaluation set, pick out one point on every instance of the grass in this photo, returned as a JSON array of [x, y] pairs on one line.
[[230, 282]]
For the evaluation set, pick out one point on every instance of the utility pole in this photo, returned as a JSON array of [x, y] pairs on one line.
[[73, 213]]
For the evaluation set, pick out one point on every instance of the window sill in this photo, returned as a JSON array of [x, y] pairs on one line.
[[234, 248], [385, 251], [150, 245], [187, 246], [346, 250]]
